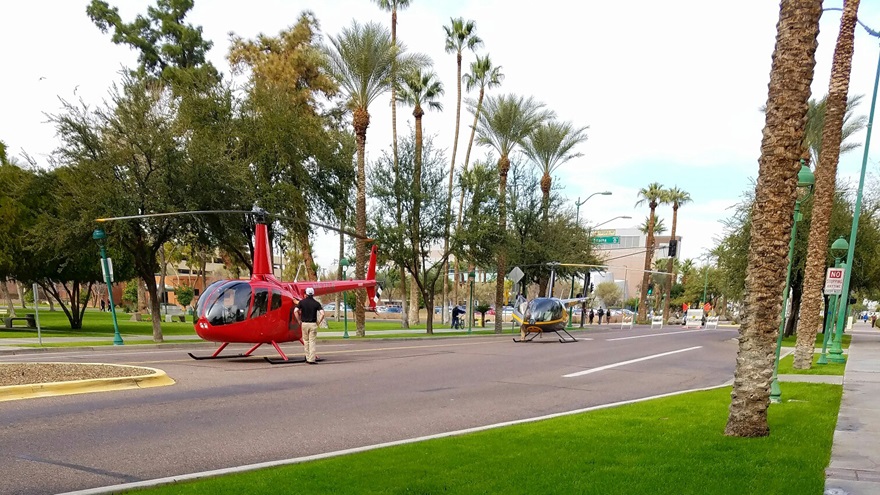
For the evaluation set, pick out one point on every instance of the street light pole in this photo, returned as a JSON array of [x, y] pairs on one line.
[[577, 221], [98, 235], [470, 317], [838, 249], [805, 179], [836, 348]]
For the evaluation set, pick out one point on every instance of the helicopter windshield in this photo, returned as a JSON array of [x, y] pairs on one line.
[[543, 310], [228, 303]]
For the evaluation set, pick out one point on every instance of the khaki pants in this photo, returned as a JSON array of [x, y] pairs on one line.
[[310, 334]]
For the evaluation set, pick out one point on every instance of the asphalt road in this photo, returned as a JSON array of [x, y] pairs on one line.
[[233, 412]]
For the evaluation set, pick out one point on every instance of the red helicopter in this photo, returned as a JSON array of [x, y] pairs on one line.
[[260, 310]]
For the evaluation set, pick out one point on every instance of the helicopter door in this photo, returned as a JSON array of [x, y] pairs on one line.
[[261, 303]]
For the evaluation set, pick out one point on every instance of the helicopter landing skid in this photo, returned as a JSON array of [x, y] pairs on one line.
[[532, 335], [217, 355]]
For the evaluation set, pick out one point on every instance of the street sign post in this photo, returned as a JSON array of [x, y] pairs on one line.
[[834, 281]]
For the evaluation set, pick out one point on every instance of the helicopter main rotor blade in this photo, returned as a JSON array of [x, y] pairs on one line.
[[241, 212], [176, 213]]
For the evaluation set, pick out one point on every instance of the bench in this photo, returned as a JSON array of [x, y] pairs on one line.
[[31, 321], [712, 322], [657, 321], [172, 318]]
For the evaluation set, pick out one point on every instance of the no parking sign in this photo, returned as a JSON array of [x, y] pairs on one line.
[[834, 281]]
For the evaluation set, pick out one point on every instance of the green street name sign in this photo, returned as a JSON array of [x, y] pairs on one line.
[[608, 239]]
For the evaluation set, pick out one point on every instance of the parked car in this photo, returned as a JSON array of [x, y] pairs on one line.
[[332, 307], [390, 309]]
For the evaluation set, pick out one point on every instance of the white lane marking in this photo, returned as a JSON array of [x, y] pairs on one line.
[[622, 363], [655, 335], [325, 455]]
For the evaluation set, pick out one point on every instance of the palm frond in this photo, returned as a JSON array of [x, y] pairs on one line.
[[506, 120], [551, 144]]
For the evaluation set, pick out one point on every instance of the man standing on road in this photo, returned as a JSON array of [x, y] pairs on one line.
[[311, 314]]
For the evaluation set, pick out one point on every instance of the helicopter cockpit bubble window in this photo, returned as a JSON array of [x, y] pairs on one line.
[[208, 295], [261, 303], [543, 310], [230, 304]]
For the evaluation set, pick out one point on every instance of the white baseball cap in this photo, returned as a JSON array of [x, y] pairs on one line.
[[310, 291]]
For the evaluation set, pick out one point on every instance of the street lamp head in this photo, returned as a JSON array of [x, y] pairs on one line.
[[343, 262], [98, 235], [626, 217], [605, 193], [805, 176], [839, 247]]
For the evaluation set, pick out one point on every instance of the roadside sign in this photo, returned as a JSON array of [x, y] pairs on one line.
[[608, 239], [104, 272], [834, 281], [515, 275]]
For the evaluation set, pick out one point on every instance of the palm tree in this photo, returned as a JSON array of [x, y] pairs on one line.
[[791, 74], [485, 76], [653, 195], [852, 124], [675, 197], [826, 174], [459, 35], [657, 227], [505, 122], [419, 88], [361, 59], [392, 6], [549, 147]]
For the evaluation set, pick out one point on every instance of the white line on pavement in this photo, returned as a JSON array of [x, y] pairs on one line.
[[655, 335], [622, 363], [299, 460]]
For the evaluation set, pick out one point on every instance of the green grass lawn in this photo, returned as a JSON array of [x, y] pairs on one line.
[[785, 367], [673, 445], [100, 324], [791, 341]]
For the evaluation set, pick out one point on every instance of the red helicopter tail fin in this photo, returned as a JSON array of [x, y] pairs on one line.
[[371, 275]]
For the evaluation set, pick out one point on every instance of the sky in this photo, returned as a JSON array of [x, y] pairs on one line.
[[671, 92]]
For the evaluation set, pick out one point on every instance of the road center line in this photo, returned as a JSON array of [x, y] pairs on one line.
[[655, 335], [615, 365]]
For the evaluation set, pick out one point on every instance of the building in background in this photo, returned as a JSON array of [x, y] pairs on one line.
[[624, 252]]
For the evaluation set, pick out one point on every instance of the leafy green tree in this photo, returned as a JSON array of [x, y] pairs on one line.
[[409, 243], [170, 50], [420, 88], [185, 295], [610, 293], [485, 76], [505, 122], [362, 59], [297, 153], [653, 196]]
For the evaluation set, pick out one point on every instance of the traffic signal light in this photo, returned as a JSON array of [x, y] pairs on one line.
[[650, 289], [673, 248]]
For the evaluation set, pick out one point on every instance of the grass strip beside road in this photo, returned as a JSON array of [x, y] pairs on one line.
[[672, 445], [791, 341], [786, 363]]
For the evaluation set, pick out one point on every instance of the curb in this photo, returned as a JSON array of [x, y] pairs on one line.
[[109, 348], [157, 379]]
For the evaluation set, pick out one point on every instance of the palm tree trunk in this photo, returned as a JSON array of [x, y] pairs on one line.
[[546, 182], [445, 268], [649, 255], [308, 260], [404, 322], [503, 168], [361, 122], [670, 268], [783, 135], [826, 174], [467, 157], [416, 221]]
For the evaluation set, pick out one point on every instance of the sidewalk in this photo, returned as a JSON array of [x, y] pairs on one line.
[[855, 456]]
